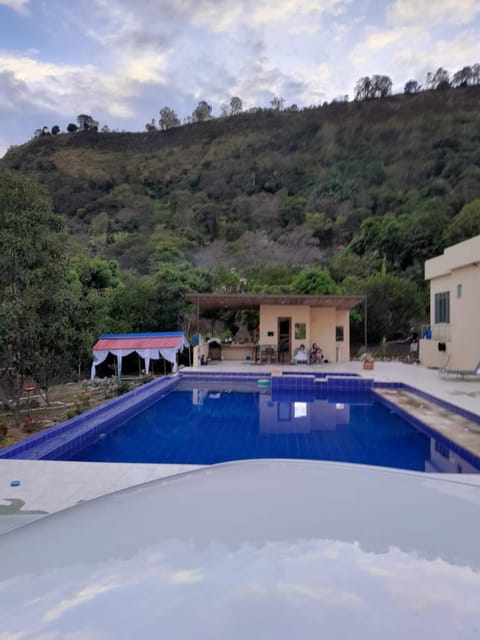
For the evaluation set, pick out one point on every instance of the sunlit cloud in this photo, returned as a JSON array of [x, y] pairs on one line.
[[16, 5], [81, 597], [448, 12]]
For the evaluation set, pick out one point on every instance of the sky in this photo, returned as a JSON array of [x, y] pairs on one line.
[[121, 61]]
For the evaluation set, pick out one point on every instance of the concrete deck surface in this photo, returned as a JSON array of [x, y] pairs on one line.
[[48, 486]]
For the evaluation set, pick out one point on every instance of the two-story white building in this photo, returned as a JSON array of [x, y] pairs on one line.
[[454, 308]]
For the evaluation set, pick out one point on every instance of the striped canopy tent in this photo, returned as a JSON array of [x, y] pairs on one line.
[[149, 346]]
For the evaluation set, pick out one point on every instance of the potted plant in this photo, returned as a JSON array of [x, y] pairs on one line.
[[368, 360]]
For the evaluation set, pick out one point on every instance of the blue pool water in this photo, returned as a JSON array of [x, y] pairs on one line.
[[206, 426]]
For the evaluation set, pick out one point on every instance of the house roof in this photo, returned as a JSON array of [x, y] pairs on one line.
[[253, 301], [133, 341]]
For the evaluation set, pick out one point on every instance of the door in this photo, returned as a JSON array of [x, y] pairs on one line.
[[284, 339]]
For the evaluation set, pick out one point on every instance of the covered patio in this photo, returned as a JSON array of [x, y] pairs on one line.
[[285, 323]]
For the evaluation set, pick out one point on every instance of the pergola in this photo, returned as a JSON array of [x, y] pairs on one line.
[[252, 301]]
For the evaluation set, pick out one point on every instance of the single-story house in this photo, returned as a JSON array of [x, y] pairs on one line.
[[286, 322], [454, 308]]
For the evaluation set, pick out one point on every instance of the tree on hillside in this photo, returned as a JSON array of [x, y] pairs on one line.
[[392, 304], [236, 105], [466, 77], [378, 86], [202, 112], [475, 78], [55, 130], [314, 282], [168, 119], [362, 88], [412, 86], [465, 224], [72, 127], [277, 103], [35, 299], [438, 80], [93, 281], [151, 126], [462, 78]]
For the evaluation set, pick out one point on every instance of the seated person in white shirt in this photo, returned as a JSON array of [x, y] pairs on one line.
[[300, 354]]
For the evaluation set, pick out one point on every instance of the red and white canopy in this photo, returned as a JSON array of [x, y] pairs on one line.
[[149, 346]]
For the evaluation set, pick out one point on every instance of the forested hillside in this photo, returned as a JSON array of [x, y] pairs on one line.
[[365, 190]]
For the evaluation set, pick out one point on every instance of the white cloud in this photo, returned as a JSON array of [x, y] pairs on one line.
[[16, 5], [221, 15], [429, 12], [382, 39], [64, 89], [267, 11], [324, 72], [147, 68]]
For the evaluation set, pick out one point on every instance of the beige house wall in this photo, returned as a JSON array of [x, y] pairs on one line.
[[343, 348], [321, 323], [269, 315], [458, 272]]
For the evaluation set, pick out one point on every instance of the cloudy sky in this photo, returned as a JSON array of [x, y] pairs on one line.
[[123, 60]]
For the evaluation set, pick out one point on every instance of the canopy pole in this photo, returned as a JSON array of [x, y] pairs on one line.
[[198, 318], [365, 325]]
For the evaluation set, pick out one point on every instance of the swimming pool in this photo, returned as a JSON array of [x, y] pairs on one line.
[[207, 423], [200, 419]]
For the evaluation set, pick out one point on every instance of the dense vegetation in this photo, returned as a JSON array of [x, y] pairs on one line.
[[348, 197]]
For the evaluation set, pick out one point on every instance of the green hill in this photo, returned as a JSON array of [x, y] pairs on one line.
[[389, 176]]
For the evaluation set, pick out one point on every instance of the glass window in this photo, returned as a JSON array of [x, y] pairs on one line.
[[442, 307], [339, 334], [300, 331], [459, 291]]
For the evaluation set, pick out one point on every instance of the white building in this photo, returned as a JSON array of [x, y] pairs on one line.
[[454, 307]]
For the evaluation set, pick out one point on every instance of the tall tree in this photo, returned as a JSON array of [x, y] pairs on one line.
[[34, 295], [412, 86], [168, 119], [236, 105], [438, 80], [202, 112], [463, 77], [465, 224], [377, 86], [277, 103], [363, 88]]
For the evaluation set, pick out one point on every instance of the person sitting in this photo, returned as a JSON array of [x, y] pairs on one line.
[[300, 355], [316, 354]]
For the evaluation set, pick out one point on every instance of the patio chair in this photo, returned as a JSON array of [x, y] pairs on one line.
[[460, 373]]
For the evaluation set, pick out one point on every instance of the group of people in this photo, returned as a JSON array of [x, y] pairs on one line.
[[314, 357]]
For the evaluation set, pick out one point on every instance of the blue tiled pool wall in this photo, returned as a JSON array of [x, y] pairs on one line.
[[470, 457], [86, 427]]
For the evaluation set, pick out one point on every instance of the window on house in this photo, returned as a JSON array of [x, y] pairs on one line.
[[300, 331], [459, 291], [442, 307], [339, 334]]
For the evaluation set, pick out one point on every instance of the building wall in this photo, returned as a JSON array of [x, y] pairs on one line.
[[320, 324], [343, 348], [459, 266], [269, 315]]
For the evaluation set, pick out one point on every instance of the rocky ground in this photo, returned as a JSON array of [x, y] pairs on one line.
[[64, 401]]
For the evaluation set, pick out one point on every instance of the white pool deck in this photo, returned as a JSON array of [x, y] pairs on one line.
[[50, 486]]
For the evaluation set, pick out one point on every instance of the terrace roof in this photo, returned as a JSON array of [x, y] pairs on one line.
[[238, 301]]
